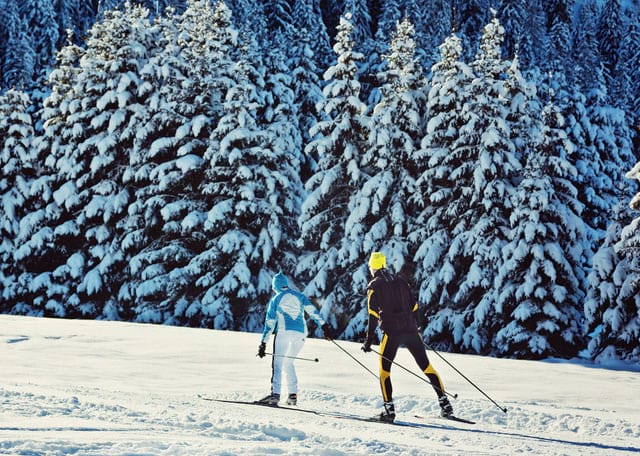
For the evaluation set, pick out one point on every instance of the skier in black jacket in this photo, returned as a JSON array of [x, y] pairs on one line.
[[392, 307]]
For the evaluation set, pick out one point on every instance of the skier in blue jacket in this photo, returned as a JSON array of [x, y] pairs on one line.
[[285, 318]]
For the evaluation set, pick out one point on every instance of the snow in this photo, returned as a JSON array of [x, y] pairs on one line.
[[113, 388]]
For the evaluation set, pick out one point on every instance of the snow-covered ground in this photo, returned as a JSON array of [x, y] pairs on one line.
[[107, 388]]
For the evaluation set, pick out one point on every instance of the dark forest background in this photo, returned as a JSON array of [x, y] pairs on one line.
[[161, 160]]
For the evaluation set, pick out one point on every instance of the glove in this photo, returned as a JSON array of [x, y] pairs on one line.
[[328, 332], [366, 347], [261, 349]]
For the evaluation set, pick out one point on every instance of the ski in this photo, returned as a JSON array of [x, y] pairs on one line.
[[375, 419], [449, 418], [344, 416], [262, 404]]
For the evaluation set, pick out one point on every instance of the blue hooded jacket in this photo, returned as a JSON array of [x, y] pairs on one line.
[[286, 309]]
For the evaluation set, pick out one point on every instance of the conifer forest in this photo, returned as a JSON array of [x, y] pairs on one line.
[[161, 160]]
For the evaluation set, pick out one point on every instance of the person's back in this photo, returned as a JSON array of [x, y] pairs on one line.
[[290, 307], [395, 304]]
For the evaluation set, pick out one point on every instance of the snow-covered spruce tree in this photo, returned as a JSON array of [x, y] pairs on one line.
[[616, 319], [632, 45], [381, 212], [19, 59], [89, 160], [338, 143], [390, 160], [523, 109], [533, 48], [389, 15], [599, 132], [307, 91], [469, 19], [361, 20], [40, 18], [307, 20], [535, 308], [36, 253], [162, 7], [610, 34], [308, 51], [432, 26], [364, 21], [486, 167], [164, 229], [65, 18], [279, 15], [372, 64], [608, 273], [249, 18], [512, 16], [279, 110], [16, 172], [107, 5], [583, 155], [525, 31], [254, 188], [559, 20], [83, 15], [433, 229], [611, 142], [588, 74], [610, 133], [621, 83], [6, 19]]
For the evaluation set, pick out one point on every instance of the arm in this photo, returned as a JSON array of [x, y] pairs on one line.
[[271, 318], [414, 309], [416, 315], [311, 310], [374, 316], [410, 303]]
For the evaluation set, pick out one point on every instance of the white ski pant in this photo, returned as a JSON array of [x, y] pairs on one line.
[[286, 346]]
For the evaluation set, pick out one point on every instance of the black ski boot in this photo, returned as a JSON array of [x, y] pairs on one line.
[[389, 413], [446, 410], [272, 399], [292, 399]]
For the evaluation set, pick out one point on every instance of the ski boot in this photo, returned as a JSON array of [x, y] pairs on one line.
[[389, 413], [272, 399], [292, 399], [446, 410]]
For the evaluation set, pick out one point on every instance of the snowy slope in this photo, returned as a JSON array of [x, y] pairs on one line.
[[109, 388]]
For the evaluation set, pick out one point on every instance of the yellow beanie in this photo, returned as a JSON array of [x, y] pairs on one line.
[[377, 261]]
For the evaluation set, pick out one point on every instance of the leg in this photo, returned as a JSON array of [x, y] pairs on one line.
[[416, 348], [388, 350], [280, 344], [296, 342]]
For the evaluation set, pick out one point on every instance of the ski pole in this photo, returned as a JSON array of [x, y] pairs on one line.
[[293, 357], [453, 395], [504, 409], [352, 357]]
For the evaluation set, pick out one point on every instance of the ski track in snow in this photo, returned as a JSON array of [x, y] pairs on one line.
[[105, 389]]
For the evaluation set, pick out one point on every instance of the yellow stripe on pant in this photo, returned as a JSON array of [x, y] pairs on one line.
[[385, 376], [434, 378]]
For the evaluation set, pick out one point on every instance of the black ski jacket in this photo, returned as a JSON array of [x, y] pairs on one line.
[[391, 305]]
